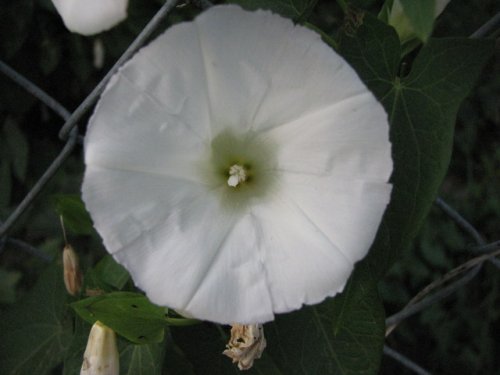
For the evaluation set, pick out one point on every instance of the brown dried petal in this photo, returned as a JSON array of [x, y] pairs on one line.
[[72, 274], [246, 344]]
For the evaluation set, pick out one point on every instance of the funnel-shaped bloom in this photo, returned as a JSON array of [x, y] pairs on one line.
[[89, 17], [237, 167]]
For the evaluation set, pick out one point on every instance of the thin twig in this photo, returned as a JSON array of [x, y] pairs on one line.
[[472, 267], [27, 248], [136, 44], [34, 90], [419, 302], [40, 184], [460, 220], [409, 364], [487, 247], [392, 321], [452, 274], [465, 225], [491, 25]]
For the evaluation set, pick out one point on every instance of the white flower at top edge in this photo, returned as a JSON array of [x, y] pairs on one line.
[[89, 17], [237, 167]]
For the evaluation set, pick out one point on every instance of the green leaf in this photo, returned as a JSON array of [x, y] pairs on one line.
[[343, 335], [37, 330], [6, 184], [176, 362], [50, 55], [422, 108], [131, 315], [8, 282], [76, 218], [298, 10], [74, 355], [112, 273], [15, 19], [17, 147], [142, 359]]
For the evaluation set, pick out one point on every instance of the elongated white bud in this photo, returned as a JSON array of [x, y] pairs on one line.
[[101, 355], [72, 274]]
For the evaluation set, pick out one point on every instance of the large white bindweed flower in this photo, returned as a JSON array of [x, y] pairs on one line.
[[237, 167], [89, 17]]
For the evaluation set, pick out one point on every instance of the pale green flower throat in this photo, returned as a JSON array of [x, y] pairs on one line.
[[244, 164]]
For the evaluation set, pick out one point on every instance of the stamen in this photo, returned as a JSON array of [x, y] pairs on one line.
[[237, 174]]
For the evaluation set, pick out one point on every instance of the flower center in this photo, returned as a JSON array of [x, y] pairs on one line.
[[237, 174]]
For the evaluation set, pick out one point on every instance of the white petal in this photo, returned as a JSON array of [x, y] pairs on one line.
[[348, 140], [202, 264], [302, 264], [348, 215], [126, 204], [155, 104], [89, 17], [299, 71]]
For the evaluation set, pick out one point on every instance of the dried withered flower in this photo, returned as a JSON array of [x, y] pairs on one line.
[[246, 344]]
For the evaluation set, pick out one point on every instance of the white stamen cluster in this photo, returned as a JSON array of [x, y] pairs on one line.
[[237, 174]]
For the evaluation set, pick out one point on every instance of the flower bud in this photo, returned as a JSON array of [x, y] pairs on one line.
[[89, 17], [246, 344], [400, 21], [72, 273], [101, 355]]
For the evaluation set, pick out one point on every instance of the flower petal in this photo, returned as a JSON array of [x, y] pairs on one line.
[[126, 204], [158, 108], [202, 264], [89, 17], [299, 70], [349, 215], [348, 139]]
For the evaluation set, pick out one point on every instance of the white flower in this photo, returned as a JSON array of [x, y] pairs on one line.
[[89, 17], [245, 94], [101, 354]]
